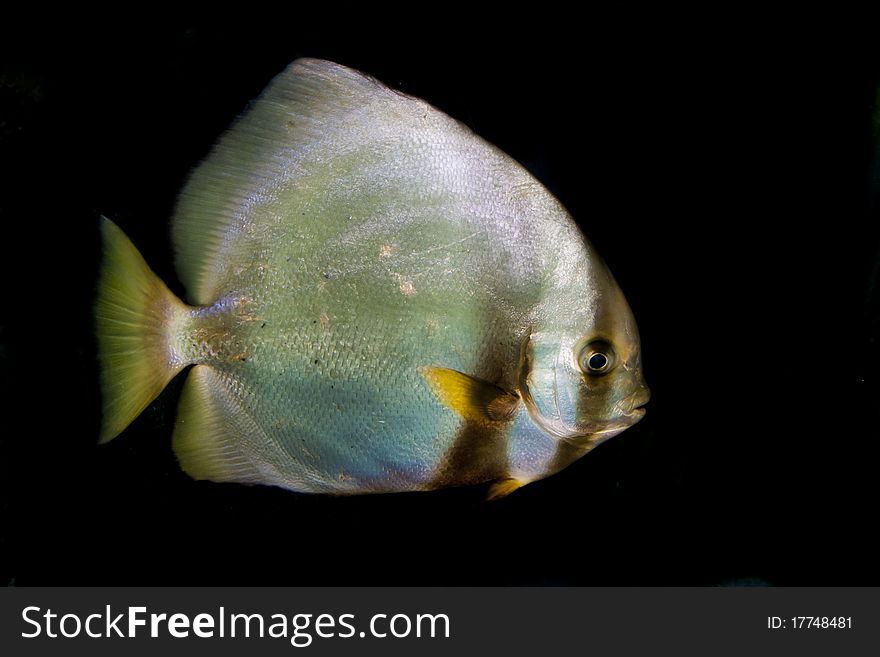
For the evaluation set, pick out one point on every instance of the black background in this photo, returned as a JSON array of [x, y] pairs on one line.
[[725, 174]]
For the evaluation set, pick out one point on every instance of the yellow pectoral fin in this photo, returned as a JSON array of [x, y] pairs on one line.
[[503, 488], [474, 399]]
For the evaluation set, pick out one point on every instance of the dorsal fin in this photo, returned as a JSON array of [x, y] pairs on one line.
[[306, 118]]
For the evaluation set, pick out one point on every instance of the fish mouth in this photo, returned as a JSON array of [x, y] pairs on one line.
[[594, 434], [591, 434], [636, 415]]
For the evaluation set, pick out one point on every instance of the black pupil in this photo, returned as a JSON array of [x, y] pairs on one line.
[[597, 361]]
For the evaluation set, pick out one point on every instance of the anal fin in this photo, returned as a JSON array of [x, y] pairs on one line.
[[211, 434]]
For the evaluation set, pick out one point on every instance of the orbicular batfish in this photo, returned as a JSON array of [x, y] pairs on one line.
[[377, 300]]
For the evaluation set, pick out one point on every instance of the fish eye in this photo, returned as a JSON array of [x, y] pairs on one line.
[[597, 362], [597, 358]]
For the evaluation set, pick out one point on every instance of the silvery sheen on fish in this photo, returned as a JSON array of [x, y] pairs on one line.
[[379, 301]]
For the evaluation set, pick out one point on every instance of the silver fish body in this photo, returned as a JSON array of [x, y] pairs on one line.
[[380, 301]]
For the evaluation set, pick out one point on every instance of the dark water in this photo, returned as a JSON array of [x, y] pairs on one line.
[[727, 180]]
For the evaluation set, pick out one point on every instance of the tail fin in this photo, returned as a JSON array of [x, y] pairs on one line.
[[134, 318]]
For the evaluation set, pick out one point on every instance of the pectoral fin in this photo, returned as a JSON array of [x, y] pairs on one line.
[[503, 488], [472, 398]]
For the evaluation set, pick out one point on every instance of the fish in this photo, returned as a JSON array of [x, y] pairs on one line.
[[377, 301]]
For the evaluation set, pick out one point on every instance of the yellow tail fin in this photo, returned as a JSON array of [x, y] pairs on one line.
[[135, 317]]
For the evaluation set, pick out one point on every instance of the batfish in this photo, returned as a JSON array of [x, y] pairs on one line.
[[377, 300]]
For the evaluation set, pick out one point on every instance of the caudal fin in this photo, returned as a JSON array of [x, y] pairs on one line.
[[135, 317]]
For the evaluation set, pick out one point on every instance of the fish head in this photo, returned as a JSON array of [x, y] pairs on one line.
[[581, 365]]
